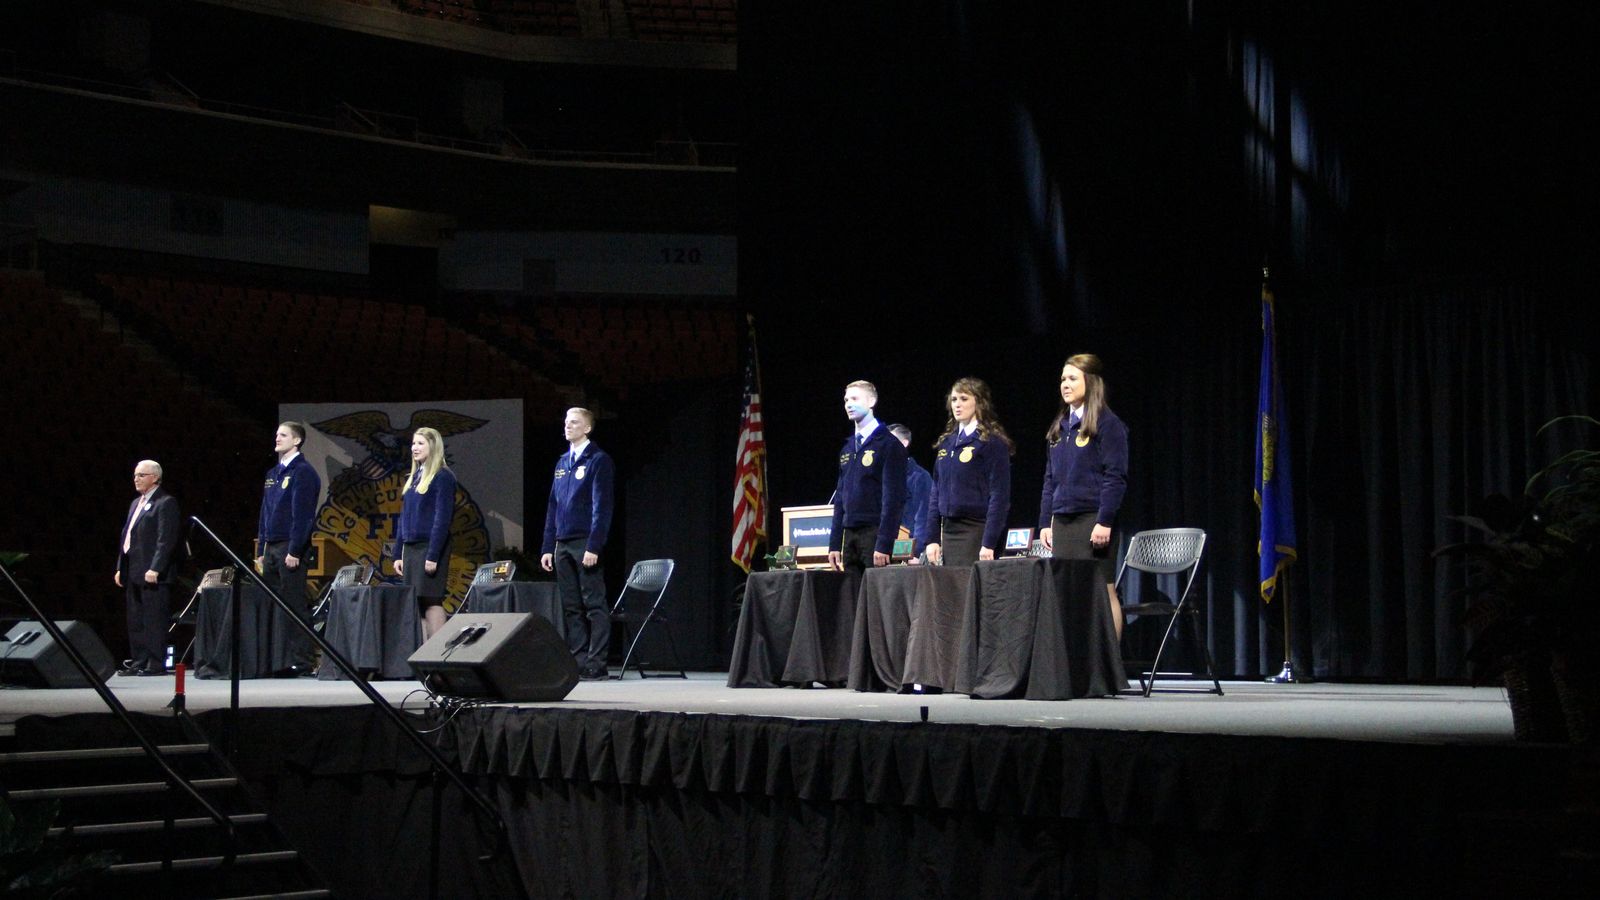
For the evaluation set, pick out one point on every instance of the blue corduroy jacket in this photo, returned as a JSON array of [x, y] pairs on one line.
[[426, 517], [1092, 477], [581, 498], [919, 487], [289, 505], [971, 480], [872, 488]]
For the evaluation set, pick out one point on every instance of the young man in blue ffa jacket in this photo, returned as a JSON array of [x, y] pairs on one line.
[[576, 525], [283, 535], [872, 487], [919, 487], [144, 565]]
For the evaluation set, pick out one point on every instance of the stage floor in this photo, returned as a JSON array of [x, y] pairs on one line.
[[1389, 713]]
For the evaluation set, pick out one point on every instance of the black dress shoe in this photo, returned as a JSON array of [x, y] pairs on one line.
[[150, 673], [128, 667], [594, 673]]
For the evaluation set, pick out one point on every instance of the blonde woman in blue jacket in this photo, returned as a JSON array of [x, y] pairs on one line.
[[428, 503]]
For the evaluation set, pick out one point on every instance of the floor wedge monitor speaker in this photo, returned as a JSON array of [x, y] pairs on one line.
[[498, 656], [29, 657]]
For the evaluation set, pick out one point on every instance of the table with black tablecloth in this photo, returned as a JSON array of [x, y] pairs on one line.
[[519, 596], [375, 627], [908, 627], [794, 629], [1039, 629], [269, 642]]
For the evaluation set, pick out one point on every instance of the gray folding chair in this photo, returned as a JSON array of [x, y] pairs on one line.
[[1169, 551], [495, 572], [352, 574], [648, 581]]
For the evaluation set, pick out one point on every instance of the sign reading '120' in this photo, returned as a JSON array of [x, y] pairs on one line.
[[680, 256]]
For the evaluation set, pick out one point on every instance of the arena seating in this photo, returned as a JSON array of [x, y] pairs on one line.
[[99, 420], [554, 18], [548, 17], [705, 21], [253, 345], [272, 345], [627, 341]]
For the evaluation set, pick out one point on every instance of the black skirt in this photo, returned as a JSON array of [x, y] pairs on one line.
[[1069, 539], [414, 556], [960, 541]]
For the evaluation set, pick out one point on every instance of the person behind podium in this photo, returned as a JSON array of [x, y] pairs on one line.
[[576, 525], [966, 518], [283, 534], [428, 503], [871, 491], [144, 568], [919, 484], [1086, 475]]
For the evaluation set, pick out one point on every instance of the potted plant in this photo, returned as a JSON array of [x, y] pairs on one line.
[[1534, 590]]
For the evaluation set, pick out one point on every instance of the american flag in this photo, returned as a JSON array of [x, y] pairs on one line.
[[750, 474]]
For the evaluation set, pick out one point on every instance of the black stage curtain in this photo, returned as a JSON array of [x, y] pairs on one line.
[[946, 189], [612, 804], [1404, 408]]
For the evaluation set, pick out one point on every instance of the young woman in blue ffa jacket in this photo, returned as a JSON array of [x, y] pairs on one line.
[[971, 480], [576, 524], [1087, 473], [428, 503], [871, 492]]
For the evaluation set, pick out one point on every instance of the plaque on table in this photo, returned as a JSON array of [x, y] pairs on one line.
[[807, 529]]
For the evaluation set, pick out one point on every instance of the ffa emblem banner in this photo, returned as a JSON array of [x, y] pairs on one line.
[[363, 453]]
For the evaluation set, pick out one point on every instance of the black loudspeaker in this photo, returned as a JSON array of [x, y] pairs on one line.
[[502, 656], [31, 658]]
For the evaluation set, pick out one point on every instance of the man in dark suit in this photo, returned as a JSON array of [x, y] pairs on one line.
[[148, 547]]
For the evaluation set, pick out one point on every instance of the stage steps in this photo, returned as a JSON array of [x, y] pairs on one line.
[[114, 800]]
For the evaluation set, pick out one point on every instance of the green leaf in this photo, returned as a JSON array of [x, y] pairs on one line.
[[1559, 419]]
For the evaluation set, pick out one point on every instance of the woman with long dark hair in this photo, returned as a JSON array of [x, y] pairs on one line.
[[428, 502], [971, 479], [1087, 473]]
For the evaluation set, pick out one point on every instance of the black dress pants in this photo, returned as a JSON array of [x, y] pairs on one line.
[[582, 590]]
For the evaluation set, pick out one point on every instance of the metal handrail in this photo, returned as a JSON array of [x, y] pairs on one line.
[[329, 654], [121, 713]]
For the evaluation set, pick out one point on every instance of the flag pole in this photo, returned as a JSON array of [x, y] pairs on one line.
[[1288, 674], [1272, 470]]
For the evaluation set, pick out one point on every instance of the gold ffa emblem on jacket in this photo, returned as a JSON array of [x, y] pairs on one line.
[[866, 458], [966, 454], [1083, 440]]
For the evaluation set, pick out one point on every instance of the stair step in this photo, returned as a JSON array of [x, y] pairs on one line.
[[205, 862], [292, 895], [46, 756], [107, 790], [110, 828]]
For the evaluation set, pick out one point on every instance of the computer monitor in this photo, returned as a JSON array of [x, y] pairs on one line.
[[1018, 540]]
